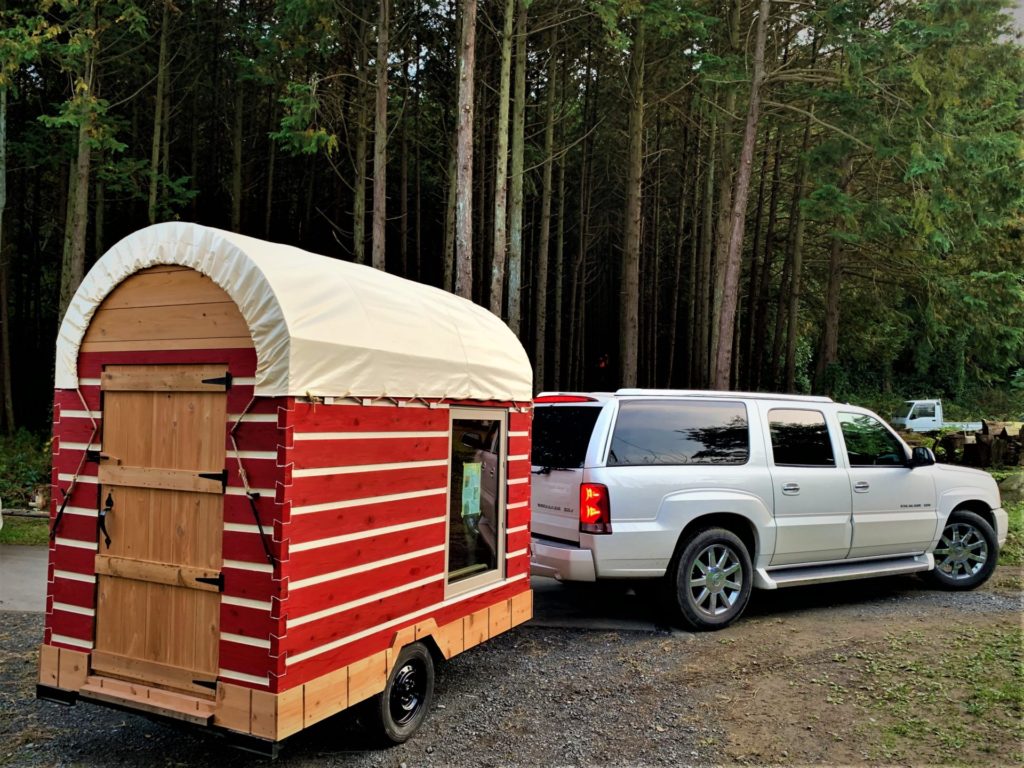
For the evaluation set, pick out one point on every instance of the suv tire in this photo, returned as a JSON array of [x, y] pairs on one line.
[[710, 579], [967, 552]]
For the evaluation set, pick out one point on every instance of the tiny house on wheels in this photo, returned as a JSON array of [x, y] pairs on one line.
[[283, 485]]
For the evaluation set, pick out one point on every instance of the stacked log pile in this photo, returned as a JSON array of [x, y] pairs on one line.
[[998, 444]]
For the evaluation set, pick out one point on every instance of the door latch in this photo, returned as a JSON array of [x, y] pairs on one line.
[[217, 581], [108, 507]]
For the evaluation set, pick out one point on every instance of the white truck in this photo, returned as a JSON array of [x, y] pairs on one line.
[[712, 494], [926, 416]]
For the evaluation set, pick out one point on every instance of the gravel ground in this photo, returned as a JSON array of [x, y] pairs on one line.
[[534, 696]]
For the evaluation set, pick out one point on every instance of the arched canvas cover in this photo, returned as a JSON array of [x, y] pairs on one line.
[[321, 326]]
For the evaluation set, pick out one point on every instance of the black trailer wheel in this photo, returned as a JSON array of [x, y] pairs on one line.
[[400, 708]]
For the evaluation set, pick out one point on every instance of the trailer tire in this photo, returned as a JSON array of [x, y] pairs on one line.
[[399, 710]]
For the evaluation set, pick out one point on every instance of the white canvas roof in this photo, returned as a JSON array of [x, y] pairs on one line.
[[321, 326]]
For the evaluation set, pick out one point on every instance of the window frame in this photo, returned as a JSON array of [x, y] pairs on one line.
[[684, 401], [885, 426], [828, 432], [498, 574]]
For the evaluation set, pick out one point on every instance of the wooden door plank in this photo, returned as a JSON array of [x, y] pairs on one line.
[[158, 573], [177, 677], [161, 378], [156, 477], [211, 342], [151, 288]]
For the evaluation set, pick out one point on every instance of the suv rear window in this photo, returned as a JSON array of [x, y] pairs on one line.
[[659, 432], [561, 434]]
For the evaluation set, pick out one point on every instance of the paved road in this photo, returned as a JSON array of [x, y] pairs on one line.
[[578, 606], [22, 578]]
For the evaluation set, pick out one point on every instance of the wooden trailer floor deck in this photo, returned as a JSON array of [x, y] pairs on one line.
[[121, 693]]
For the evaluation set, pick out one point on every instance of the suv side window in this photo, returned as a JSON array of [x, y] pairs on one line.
[[800, 438], [869, 443], [660, 432]]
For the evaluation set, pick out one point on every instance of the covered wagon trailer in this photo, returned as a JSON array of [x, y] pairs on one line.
[[283, 485]]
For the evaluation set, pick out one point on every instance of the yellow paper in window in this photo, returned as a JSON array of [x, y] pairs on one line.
[[471, 489]]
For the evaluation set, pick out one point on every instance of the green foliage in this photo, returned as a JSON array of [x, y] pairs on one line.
[[301, 131], [24, 469], [25, 531], [1012, 552]]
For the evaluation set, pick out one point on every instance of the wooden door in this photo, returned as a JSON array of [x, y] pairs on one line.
[[161, 475]]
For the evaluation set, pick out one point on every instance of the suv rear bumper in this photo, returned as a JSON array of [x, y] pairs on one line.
[[561, 560]]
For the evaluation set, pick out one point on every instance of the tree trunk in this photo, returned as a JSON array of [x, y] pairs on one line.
[[629, 307], [73, 261], [677, 268], [380, 139], [754, 276], [464, 155], [500, 253], [448, 281], [515, 251], [543, 246], [237, 130], [5, 317], [702, 335], [759, 307], [556, 355], [730, 295], [158, 117], [268, 204], [403, 194], [797, 222], [359, 193]]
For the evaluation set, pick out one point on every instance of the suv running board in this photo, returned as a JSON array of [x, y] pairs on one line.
[[818, 574]]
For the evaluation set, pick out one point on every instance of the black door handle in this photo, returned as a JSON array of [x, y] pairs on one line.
[[107, 509]]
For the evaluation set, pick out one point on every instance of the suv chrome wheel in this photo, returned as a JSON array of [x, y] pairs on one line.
[[966, 554], [716, 580], [962, 551], [710, 579]]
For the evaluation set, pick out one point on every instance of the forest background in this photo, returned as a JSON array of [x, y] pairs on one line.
[[805, 196]]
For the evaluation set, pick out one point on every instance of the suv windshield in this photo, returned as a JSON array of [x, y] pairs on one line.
[[561, 435]]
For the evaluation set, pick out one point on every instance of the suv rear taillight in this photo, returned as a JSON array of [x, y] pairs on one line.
[[595, 511]]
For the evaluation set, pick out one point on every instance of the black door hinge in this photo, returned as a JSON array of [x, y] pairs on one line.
[[224, 381], [93, 456], [211, 684], [217, 580], [222, 476]]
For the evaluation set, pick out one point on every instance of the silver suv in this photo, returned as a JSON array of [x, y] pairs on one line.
[[720, 492]]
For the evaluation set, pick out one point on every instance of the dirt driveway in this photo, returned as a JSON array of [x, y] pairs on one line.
[[881, 671]]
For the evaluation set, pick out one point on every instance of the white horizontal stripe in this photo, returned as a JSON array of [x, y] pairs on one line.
[[68, 608], [517, 553], [244, 381], [244, 528], [358, 468], [519, 457], [83, 511], [299, 621], [78, 446], [266, 493], [518, 434], [242, 677], [366, 500], [243, 640], [80, 414], [518, 505], [364, 435], [243, 602], [88, 382], [241, 565], [362, 568], [77, 544], [518, 481], [400, 620], [65, 640], [87, 578], [253, 418], [368, 534], [266, 455], [517, 529], [67, 477]]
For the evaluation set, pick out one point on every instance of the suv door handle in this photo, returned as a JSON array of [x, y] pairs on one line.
[[791, 489], [861, 487]]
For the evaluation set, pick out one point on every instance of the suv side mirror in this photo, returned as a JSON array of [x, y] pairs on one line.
[[921, 457]]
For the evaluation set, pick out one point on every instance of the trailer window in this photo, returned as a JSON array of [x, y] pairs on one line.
[[476, 527]]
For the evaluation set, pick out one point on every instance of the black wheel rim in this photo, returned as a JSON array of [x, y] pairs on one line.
[[407, 692]]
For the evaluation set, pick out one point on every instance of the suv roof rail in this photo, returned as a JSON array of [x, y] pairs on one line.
[[631, 392]]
